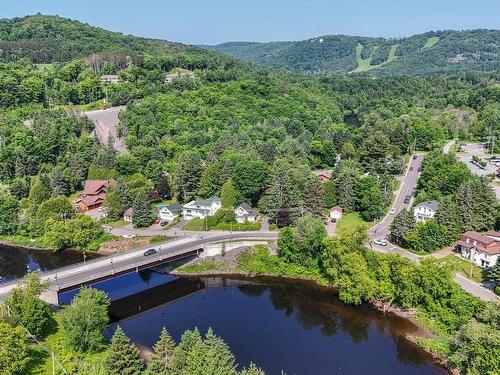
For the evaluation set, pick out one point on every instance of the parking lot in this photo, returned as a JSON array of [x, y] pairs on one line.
[[465, 156]]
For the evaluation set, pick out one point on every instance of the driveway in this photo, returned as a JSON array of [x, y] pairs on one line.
[[465, 156], [106, 123]]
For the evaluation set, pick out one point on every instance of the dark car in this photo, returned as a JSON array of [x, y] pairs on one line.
[[411, 168], [407, 199], [163, 223], [414, 157], [149, 252]]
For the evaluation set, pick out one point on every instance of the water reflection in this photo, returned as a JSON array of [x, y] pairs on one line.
[[17, 262], [290, 327]]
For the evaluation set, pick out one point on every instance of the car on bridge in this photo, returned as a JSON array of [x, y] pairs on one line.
[[149, 252]]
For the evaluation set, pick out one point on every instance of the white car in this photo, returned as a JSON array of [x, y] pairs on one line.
[[380, 241], [393, 211], [130, 235]]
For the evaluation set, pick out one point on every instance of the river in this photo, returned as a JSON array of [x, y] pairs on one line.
[[16, 262], [289, 326]]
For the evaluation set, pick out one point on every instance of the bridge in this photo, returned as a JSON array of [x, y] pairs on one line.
[[88, 272]]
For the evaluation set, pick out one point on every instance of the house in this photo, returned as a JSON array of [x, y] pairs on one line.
[[323, 175], [425, 211], [170, 212], [336, 213], [128, 215], [245, 213], [201, 208], [482, 249], [110, 78], [177, 74], [94, 192]]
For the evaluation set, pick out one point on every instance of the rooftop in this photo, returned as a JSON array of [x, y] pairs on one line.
[[433, 205]]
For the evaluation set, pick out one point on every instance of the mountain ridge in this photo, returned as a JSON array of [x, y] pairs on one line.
[[432, 53]]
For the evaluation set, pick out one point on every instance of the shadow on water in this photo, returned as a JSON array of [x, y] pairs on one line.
[[288, 326]]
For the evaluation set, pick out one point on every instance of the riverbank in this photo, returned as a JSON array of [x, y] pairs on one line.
[[238, 265]]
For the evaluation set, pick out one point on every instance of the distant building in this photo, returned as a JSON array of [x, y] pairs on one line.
[[245, 213], [425, 211], [109, 78], [94, 193], [336, 213], [201, 208], [129, 215], [170, 212], [482, 249], [177, 74], [323, 175]]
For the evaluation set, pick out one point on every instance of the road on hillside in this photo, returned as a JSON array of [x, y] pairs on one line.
[[408, 185], [106, 123]]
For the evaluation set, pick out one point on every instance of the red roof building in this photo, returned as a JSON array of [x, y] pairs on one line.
[[482, 249], [93, 194]]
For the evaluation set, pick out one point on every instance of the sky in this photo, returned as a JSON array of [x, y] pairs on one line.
[[217, 21]]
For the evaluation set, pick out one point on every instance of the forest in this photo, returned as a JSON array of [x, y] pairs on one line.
[[249, 135], [435, 53]]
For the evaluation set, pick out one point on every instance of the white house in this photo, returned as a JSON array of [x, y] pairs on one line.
[[128, 215], [336, 213], [482, 249], [201, 208], [170, 212], [245, 213], [425, 211]]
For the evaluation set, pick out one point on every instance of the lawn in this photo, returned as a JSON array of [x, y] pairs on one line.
[[431, 42], [206, 265], [363, 64], [201, 225], [392, 53], [118, 224], [351, 221], [156, 239], [464, 267]]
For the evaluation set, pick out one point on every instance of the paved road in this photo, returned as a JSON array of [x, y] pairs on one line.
[[408, 184], [105, 266], [106, 123]]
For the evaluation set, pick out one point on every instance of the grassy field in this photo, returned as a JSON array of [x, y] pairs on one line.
[[464, 267], [351, 221], [200, 225], [364, 65], [431, 42], [206, 265], [156, 239], [392, 53], [118, 224]]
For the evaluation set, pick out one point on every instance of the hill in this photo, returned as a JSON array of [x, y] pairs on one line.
[[48, 39], [432, 53]]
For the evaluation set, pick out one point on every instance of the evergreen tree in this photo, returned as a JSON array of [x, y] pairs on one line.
[[449, 216], [123, 356], [39, 192], [189, 340], [58, 183], [188, 174], [123, 196], [314, 197], [403, 222], [369, 198], [476, 200], [143, 215], [283, 198], [218, 359], [228, 194], [162, 187], [163, 350], [493, 273], [346, 182], [252, 370]]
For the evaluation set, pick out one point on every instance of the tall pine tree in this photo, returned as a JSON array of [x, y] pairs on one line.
[[314, 197], [143, 215], [123, 357], [163, 350]]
